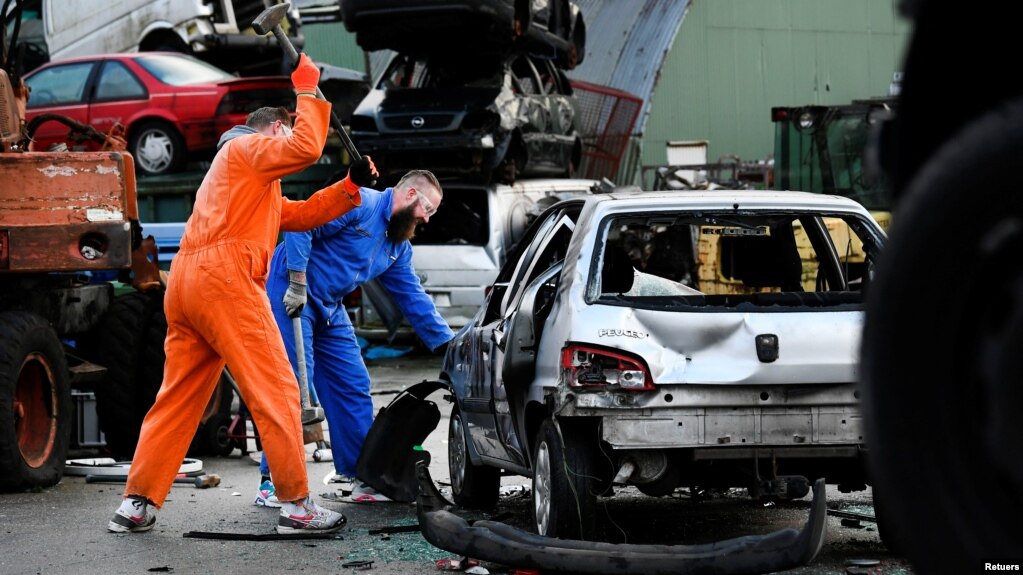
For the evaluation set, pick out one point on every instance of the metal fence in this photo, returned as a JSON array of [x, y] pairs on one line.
[[606, 119]]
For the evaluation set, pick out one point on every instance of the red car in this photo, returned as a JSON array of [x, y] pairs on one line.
[[173, 106]]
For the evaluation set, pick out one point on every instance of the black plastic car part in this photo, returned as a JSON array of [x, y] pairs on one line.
[[500, 543]]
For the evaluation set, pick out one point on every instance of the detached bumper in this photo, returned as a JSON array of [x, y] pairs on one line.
[[499, 543]]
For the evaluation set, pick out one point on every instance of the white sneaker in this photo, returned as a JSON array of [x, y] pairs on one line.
[[133, 516], [266, 496], [363, 493], [337, 478], [306, 516]]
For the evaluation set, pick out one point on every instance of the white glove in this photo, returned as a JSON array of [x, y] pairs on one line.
[[294, 298]]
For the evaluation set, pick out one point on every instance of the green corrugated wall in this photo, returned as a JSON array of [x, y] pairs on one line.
[[332, 44], [735, 59]]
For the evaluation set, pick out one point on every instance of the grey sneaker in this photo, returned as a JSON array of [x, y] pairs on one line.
[[133, 516], [363, 493], [306, 516]]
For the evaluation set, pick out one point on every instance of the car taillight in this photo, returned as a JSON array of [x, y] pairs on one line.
[[585, 366]]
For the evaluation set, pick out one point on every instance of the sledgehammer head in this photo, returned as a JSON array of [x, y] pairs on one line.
[[270, 18], [205, 481], [311, 415]]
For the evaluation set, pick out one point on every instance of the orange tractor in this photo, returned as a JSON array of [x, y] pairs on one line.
[[81, 359]]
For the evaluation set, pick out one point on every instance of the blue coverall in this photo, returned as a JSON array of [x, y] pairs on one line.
[[338, 257]]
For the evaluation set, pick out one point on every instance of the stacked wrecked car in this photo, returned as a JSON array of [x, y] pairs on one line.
[[475, 89]]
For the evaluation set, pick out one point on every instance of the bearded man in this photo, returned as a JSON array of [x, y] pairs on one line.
[[311, 273]]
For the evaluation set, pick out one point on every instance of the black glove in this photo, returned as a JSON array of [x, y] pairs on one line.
[[442, 349], [363, 172]]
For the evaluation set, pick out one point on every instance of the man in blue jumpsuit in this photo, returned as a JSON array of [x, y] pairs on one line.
[[371, 241]]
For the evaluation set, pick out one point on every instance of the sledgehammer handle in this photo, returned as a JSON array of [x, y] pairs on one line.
[[289, 48], [303, 379], [310, 415]]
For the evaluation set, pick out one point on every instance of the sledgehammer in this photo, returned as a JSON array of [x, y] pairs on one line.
[[199, 481], [269, 20], [310, 415]]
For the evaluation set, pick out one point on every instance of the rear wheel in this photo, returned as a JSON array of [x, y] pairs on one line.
[[472, 486], [157, 148], [35, 403], [564, 486]]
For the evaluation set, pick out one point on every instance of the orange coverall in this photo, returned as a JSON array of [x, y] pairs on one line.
[[217, 308]]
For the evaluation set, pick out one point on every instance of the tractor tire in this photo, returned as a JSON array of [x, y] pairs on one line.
[[35, 403], [130, 338], [212, 437]]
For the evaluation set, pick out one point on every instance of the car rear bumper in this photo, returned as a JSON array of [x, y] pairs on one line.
[[500, 543], [681, 416]]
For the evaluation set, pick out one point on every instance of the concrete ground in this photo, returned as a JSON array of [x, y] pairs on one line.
[[63, 529]]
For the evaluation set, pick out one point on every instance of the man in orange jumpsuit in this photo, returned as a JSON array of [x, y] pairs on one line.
[[218, 312]]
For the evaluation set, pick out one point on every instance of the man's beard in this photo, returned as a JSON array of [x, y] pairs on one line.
[[403, 224]]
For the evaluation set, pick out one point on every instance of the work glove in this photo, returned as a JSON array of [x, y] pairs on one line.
[[442, 349], [306, 76], [294, 298], [361, 174]]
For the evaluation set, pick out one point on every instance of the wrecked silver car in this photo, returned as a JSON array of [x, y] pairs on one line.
[[666, 340], [490, 117]]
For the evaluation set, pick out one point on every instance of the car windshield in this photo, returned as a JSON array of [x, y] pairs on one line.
[[181, 70], [442, 72], [732, 259]]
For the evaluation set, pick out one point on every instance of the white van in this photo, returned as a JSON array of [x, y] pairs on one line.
[[218, 31]]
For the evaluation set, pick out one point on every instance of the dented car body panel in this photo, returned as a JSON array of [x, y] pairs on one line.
[[678, 329]]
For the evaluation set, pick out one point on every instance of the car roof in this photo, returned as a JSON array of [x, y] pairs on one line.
[[528, 185], [728, 199], [115, 56]]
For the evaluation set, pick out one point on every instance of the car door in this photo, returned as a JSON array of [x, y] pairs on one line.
[[485, 402], [60, 90], [118, 96], [513, 361]]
